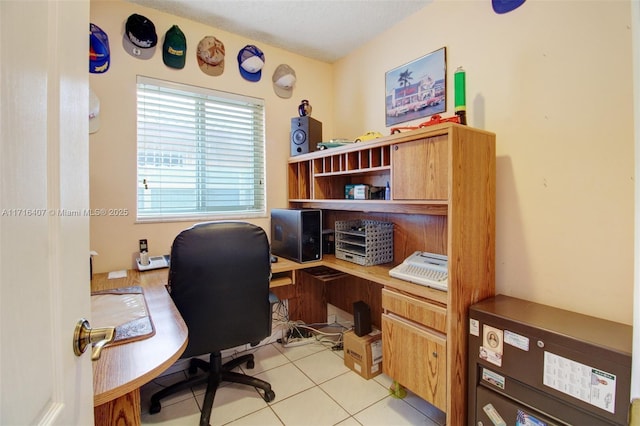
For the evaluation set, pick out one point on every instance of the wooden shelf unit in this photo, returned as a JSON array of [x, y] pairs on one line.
[[442, 181]]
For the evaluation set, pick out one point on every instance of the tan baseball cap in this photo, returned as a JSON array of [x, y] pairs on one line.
[[284, 78], [210, 56]]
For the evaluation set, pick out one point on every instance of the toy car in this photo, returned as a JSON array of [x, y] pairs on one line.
[[435, 119], [334, 143], [368, 136]]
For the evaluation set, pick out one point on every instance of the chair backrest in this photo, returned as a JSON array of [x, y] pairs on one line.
[[219, 280]]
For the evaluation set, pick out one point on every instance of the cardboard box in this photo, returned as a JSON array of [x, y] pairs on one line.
[[356, 191], [363, 354], [361, 192], [348, 191]]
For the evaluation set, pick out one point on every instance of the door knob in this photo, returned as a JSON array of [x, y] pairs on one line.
[[84, 336]]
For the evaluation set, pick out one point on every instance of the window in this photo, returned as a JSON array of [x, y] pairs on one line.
[[200, 153]]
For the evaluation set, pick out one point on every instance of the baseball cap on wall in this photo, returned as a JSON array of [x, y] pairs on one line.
[[174, 48], [210, 56], [504, 6], [98, 50], [250, 62], [139, 39], [284, 78]]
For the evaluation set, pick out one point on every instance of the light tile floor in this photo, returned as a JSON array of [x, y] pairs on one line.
[[312, 387]]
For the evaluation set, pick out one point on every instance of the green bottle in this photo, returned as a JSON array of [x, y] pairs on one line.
[[460, 86]]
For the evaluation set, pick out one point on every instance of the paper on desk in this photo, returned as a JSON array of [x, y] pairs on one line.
[[117, 274]]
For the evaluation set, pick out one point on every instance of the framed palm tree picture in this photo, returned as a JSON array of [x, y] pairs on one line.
[[416, 89]]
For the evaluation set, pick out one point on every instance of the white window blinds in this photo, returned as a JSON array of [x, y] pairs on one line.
[[200, 153]]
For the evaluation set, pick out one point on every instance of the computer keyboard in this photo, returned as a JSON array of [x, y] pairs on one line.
[[424, 268]]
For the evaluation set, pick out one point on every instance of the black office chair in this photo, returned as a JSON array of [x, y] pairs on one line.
[[219, 280]]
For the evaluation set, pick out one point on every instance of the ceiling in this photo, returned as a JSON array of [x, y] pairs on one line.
[[326, 30]]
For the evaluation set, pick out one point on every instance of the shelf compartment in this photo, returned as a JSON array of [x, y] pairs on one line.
[[380, 156], [279, 279], [353, 240], [364, 158], [330, 188], [352, 161], [300, 180], [356, 172], [330, 164], [338, 163], [362, 161]]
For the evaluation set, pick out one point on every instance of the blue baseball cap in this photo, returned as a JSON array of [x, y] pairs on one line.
[[504, 6], [250, 62], [98, 50]]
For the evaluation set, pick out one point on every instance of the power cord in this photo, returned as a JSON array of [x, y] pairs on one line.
[[299, 334]]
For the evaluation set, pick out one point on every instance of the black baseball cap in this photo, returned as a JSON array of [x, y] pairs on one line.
[[139, 39]]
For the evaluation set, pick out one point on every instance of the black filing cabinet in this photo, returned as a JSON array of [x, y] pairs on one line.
[[532, 364]]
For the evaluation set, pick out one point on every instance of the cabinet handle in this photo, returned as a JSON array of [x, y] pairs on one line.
[[395, 147], [435, 354]]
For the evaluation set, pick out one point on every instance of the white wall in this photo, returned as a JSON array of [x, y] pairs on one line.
[[553, 80], [113, 147]]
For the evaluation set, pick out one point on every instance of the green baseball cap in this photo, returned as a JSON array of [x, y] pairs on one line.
[[174, 49]]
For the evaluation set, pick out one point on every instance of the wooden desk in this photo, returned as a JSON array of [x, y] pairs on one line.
[[123, 369], [308, 295]]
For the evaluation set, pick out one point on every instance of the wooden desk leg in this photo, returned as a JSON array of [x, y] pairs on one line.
[[123, 411]]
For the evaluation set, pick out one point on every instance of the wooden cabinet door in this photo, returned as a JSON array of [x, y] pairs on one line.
[[416, 358], [420, 311], [420, 169]]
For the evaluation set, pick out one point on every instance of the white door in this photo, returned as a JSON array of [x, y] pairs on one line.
[[635, 376], [44, 234]]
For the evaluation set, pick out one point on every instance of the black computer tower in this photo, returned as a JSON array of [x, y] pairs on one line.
[[296, 234]]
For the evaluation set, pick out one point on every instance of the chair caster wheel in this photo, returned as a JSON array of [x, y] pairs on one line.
[[250, 364], [269, 396], [155, 407]]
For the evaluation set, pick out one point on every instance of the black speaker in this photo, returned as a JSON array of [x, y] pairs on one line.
[[361, 318], [306, 132]]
